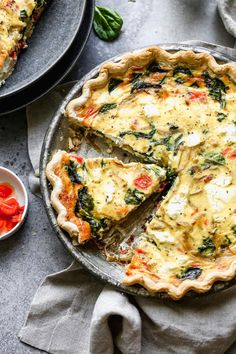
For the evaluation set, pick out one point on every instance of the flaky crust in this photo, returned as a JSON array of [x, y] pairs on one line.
[[57, 185], [141, 58]]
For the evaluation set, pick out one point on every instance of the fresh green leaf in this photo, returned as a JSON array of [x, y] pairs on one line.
[[72, 172], [107, 24], [113, 83], [107, 107], [208, 247], [190, 273], [134, 197]]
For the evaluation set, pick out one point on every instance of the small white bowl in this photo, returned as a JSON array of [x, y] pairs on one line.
[[20, 193]]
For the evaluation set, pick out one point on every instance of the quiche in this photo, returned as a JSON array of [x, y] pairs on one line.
[[17, 21], [91, 194], [176, 110]]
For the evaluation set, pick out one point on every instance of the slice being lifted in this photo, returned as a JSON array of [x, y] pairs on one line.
[[90, 194]]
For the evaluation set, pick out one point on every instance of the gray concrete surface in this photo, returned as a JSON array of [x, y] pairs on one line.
[[34, 251]]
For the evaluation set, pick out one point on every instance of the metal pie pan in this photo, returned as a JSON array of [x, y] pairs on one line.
[[48, 44], [88, 255], [57, 72]]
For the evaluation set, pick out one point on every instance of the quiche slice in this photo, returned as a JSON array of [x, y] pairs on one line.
[[17, 21], [90, 195]]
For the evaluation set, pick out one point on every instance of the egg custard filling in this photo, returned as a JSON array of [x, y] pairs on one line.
[[175, 110], [17, 21], [91, 194]]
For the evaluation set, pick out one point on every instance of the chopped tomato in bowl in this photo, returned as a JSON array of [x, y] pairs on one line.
[[13, 203]]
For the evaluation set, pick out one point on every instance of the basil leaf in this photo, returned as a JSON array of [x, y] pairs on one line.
[[113, 83], [107, 23], [134, 197]]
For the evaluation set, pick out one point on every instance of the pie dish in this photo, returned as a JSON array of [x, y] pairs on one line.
[[18, 18], [183, 105]]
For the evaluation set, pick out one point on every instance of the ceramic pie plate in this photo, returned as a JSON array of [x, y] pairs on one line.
[[88, 255]]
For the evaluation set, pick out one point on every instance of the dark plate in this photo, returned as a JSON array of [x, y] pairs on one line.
[[52, 37], [57, 73], [89, 256]]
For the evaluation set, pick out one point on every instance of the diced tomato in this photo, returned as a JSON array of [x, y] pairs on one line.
[[233, 155], [197, 95], [13, 55], [5, 190], [139, 250], [226, 151], [208, 178], [79, 159], [9, 207], [90, 111], [143, 182]]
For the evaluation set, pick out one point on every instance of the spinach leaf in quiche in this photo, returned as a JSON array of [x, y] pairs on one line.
[[72, 172], [208, 247], [84, 201], [113, 83], [142, 135], [182, 70], [213, 158], [154, 67], [171, 142], [190, 273], [134, 196], [216, 88], [221, 116], [23, 15], [107, 107], [140, 85], [97, 225], [135, 76], [107, 24]]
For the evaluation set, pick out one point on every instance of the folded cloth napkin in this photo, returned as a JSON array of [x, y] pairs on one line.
[[74, 313]]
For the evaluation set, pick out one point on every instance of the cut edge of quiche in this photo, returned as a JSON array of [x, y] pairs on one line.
[[91, 195]]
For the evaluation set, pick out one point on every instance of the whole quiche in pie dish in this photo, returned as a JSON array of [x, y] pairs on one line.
[[176, 114]]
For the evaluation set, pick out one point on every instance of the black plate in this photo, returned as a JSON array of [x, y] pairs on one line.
[[90, 257], [57, 73], [51, 39]]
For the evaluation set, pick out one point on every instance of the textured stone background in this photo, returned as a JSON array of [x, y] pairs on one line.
[[35, 251]]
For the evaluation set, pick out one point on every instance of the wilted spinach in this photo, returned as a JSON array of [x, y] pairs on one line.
[[107, 24], [142, 135], [72, 172], [221, 116], [216, 88], [84, 201], [140, 85], [134, 196], [190, 273], [213, 158], [208, 247], [107, 107], [154, 67], [113, 83]]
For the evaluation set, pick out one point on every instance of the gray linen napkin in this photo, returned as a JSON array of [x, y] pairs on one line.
[[72, 312]]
